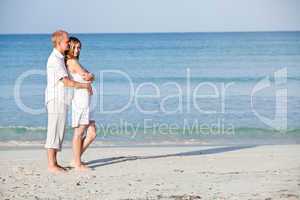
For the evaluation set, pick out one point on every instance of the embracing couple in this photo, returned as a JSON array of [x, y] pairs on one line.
[[68, 83]]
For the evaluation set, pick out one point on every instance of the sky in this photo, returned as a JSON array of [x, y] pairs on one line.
[[131, 16]]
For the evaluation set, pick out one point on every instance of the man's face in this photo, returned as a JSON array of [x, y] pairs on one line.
[[64, 44]]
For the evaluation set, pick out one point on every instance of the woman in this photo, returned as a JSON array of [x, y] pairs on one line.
[[81, 119]]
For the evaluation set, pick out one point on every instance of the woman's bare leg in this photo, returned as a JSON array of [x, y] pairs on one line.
[[77, 147], [90, 136]]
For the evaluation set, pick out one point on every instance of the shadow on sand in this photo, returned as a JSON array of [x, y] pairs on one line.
[[108, 161]]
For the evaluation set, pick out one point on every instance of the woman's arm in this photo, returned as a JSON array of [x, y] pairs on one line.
[[74, 66]]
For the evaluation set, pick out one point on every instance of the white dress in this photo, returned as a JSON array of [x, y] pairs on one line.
[[81, 114]]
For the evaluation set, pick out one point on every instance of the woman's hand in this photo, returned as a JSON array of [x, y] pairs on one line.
[[88, 76]]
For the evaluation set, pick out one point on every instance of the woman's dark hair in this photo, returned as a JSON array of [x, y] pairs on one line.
[[73, 41]]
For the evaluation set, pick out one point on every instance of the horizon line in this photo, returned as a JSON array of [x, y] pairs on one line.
[[159, 32]]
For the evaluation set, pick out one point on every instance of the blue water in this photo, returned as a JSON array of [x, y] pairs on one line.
[[239, 59]]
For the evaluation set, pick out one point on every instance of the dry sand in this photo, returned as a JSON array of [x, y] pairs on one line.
[[195, 172]]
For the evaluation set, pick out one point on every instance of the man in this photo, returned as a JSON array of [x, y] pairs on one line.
[[58, 97]]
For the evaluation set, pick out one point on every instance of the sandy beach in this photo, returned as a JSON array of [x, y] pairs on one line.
[[165, 172]]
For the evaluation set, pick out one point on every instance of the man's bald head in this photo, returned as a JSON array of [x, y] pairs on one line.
[[60, 40]]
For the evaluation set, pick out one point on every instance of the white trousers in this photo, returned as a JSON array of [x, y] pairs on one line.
[[57, 119]]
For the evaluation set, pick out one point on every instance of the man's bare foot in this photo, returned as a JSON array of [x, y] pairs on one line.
[[56, 169], [82, 168]]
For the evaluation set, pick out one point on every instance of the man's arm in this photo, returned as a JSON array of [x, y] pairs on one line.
[[70, 83], [75, 66]]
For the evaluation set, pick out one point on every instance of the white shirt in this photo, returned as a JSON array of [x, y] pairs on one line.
[[56, 70]]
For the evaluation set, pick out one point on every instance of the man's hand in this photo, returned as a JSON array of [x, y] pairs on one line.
[[90, 90]]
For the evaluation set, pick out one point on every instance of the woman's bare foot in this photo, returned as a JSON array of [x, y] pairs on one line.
[[72, 163], [64, 168], [82, 168], [56, 169]]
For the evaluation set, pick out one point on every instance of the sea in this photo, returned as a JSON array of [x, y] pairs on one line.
[[162, 86]]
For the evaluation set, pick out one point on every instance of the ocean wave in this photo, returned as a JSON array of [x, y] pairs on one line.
[[37, 133]]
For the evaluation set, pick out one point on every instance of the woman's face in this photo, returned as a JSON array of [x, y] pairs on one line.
[[77, 49]]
